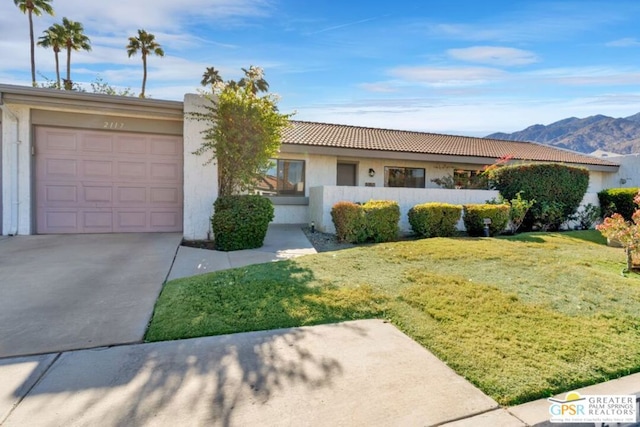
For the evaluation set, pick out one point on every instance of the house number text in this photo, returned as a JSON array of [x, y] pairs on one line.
[[113, 125]]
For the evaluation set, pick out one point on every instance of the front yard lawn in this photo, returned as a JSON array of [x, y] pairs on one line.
[[522, 317]]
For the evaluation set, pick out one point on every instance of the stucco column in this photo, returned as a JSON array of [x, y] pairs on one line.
[[200, 180]]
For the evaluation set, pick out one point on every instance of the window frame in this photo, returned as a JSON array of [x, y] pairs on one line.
[[405, 169], [280, 191]]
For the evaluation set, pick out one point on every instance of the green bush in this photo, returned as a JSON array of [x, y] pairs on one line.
[[434, 219], [374, 221], [475, 214], [557, 189], [381, 220], [348, 219], [618, 200], [241, 222]]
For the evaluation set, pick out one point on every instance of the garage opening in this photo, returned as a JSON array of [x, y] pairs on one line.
[[90, 181]]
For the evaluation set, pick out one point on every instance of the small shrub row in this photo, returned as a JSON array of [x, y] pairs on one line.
[[618, 200], [434, 219], [241, 222], [374, 221]]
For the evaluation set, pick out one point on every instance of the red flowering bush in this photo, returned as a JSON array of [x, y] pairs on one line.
[[626, 232]]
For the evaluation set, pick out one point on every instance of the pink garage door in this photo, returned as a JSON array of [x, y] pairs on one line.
[[107, 182]]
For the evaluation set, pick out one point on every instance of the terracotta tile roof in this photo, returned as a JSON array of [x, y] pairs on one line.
[[364, 138]]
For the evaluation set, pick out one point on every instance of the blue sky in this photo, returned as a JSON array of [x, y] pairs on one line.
[[462, 67]]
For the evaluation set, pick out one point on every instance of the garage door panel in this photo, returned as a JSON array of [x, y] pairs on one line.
[[165, 147], [171, 196], [131, 196], [132, 170], [98, 194], [97, 221], [61, 221], [61, 168], [163, 221], [109, 182], [61, 194], [97, 169], [166, 171], [97, 143], [132, 145], [56, 141]]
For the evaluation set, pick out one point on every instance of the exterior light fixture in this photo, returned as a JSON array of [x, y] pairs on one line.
[[372, 173]]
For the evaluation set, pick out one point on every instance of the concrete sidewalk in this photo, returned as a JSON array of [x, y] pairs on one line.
[[283, 241], [349, 374]]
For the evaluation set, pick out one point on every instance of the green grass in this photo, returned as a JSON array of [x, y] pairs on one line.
[[521, 317]]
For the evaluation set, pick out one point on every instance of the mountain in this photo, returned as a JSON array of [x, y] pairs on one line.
[[617, 135]]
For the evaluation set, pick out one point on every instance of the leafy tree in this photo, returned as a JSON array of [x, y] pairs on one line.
[[244, 131], [253, 80], [33, 7], [211, 76], [146, 44], [54, 38], [100, 86], [74, 39]]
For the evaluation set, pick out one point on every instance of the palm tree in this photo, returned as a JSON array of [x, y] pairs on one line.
[[33, 7], [146, 44], [254, 80], [211, 76], [54, 37], [74, 39]]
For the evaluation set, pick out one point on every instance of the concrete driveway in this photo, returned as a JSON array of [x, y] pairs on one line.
[[65, 292]]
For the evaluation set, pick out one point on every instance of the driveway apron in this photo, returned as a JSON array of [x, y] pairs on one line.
[[66, 292]]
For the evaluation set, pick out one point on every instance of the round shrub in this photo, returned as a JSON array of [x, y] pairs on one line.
[[475, 214], [434, 219], [241, 222], [557, 189], [348, 219]]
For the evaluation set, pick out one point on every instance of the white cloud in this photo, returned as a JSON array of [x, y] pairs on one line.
[[625, 42], [379, 87], [448, 76], [588, 76], [494, 55]]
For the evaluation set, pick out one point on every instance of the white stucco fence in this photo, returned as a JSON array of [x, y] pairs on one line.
[[321, 200]]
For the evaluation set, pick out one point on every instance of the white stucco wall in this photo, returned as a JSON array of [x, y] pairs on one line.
[[200, 180], [628, 175], [16, 176]]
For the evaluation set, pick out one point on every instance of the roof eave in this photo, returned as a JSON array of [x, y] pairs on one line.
[[427, 157], [81, 101]]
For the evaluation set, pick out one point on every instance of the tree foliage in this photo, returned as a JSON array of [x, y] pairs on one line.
[[30, 8], [146, 44], [243, 130], [74, 38], [54, 38], [557, 190]]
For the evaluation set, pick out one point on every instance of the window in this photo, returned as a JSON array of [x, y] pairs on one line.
[[403, 177], [470, 179], [283, 178]]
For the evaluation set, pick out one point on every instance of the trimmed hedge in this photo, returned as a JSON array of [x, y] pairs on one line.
[[376, 221], [241, 222], [618, 200], [381, 219], [434, 219], [474, 215], [348, 219], [556, 188]]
